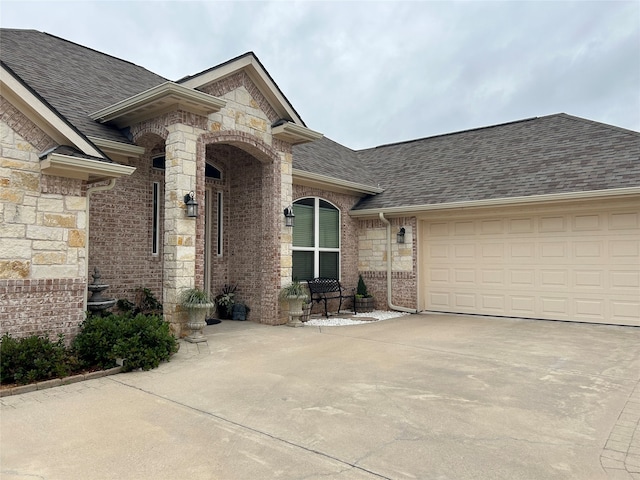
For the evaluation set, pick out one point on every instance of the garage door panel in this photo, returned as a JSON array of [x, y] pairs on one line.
[[624, 221], [589, 279], [554, 265], [554, 307], [493, 277], [552, 224], [520, 225], [625, 310], [625, 280], [494, 303], [590, 308], [553, 278], [587, 223], [625, 250]]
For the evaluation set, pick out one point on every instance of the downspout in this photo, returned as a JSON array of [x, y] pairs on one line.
[[389, 261], [90, 190]]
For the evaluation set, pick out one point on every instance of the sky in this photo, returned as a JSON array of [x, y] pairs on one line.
[[372, 73]]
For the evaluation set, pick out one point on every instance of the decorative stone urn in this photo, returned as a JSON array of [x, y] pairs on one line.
[[198, 303], [197, 321], [295, 310], [295, 294]]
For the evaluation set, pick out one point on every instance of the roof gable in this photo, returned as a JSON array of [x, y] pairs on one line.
[[234, 72]]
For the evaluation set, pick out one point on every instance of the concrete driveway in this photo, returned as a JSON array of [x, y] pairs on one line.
[[422, 396]]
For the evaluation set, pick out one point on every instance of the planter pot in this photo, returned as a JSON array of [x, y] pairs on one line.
[[295, 311], [239, 312], [197, 321], [365, 304], [306, 312]]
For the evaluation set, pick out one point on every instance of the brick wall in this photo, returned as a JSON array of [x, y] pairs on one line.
[[42, 306], [121, 233]]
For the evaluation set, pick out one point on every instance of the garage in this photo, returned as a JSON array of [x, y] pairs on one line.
[[577, 261]]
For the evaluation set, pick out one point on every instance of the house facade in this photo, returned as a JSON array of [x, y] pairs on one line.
[[538, 218]]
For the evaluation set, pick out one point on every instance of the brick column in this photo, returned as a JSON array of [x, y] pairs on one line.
[[179, 231]]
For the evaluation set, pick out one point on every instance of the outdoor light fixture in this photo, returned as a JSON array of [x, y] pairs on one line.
[[400, 235], [192, 206], [289, 217]]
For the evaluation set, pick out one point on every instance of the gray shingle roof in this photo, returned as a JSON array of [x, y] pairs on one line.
[[327, 157], [547, 155], [73, 79]]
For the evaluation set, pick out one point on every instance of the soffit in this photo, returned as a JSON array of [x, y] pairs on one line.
[[155, 101]]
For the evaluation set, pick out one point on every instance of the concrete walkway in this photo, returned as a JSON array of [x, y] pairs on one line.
[[418, 397]]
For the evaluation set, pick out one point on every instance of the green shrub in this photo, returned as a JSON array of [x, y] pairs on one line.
[[32, 359], [145, 302], [142, 340], [94, 344]]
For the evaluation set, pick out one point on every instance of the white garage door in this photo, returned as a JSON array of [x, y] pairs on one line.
[[571, 262]]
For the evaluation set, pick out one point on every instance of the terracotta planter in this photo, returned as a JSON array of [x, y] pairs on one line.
[[365, 304]]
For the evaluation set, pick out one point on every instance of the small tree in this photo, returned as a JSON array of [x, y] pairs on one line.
[[362, 291]]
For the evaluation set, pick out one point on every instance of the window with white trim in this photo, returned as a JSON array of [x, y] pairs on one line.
[[316, 239]]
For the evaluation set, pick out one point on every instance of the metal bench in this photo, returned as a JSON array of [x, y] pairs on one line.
[[322, 289]]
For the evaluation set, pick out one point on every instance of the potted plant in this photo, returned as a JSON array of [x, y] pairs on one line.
[[364, 300], [198, 303], [225, 301], [295, 294]]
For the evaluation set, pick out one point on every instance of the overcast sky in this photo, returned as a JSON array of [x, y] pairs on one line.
[[370, 73]]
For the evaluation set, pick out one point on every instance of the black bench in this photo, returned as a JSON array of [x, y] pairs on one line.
[[323, 289]]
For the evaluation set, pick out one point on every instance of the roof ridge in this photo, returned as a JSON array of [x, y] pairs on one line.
[[453, 133], [594, 122]]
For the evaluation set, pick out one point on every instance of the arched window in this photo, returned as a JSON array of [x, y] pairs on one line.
[[316, 239]]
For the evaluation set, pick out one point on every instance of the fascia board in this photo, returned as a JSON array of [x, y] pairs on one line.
[[192, 100], [303, 177], [110, 146], [82, 168], [258, 76], [295, 134], [48, 116], [415, 210]]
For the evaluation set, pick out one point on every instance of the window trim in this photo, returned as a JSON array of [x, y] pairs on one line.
[[316, 249], [155, 219], [220, 225]]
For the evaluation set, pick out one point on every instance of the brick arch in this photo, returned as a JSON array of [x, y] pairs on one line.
[[245, 141], [139, 133]]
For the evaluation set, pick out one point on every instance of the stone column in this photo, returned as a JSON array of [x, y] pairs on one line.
[[179, 230]]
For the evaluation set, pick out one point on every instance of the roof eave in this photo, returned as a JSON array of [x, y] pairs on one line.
[[82, 168], [302, 177], [295, 134], [158, 99], [415, 210], [38, 111]]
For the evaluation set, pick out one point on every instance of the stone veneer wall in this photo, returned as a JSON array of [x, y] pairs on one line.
[[43, 236], [372, 264]]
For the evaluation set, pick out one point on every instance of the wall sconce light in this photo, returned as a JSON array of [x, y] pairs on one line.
[[192, 206], [400, 236], [289, 217]]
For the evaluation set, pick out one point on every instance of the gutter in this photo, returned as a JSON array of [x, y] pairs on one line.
[[91, 190], [508, 201], [389, 260]]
